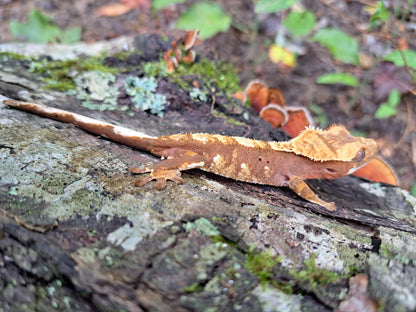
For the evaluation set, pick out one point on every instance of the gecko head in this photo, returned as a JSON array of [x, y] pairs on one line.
[[357, 151], [334, 144], [339, 152], [349, 152], [367, 152]]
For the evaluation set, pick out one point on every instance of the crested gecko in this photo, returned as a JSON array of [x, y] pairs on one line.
[[314, 154]]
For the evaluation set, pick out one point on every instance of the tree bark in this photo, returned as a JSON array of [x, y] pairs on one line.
[[75, 234]]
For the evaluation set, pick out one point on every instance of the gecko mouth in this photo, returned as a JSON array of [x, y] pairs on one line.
[[330, 170], [352, 170]]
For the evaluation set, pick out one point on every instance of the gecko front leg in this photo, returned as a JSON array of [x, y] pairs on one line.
[[303, 190], [160, 175], [168, 169]]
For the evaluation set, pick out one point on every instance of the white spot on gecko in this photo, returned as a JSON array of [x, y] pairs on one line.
[[200, 137], [186, 166], [245, 142], [217, 159]]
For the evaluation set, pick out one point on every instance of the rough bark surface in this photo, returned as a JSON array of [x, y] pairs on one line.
[[76, 235]]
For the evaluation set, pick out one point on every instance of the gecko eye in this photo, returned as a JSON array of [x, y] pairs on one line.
[[360, 155]]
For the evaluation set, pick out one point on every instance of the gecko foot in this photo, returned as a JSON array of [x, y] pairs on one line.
[[302, 189], [161, 176], [329, 206]]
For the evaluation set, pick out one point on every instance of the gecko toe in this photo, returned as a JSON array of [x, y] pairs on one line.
[[142, 181], [330, 206], [176, 177], [177, 180], [138, 170], [160, 184], [160, 175]]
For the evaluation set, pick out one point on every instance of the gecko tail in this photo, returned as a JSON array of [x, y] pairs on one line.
[[115, 133]]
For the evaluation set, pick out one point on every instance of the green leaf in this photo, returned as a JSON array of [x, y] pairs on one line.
[[394, 98], [71, 35], [300, 23], [413, 190], [385, 111], [41, 29], [388, 108], [272, 6], [343, 47], [379, 16], [321, 118], [207, 17], [160, 4], [341, 78], [396, 57]]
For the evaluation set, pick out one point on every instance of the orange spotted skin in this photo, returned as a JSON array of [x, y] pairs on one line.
[[315, 153]]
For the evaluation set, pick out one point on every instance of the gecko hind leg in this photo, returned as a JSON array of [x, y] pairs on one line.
[[303, 190], [161, 176], [168, 169]]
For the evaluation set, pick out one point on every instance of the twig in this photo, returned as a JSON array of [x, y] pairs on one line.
[[410, 124], [212, 107], [369, 3], [352, 21]]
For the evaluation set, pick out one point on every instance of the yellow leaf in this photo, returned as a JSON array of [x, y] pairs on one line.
[[115, 9], [370, 9], [279, 54]]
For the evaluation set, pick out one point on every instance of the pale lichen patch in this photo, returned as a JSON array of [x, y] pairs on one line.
[[374, 188], [143, 220], [273, 299]]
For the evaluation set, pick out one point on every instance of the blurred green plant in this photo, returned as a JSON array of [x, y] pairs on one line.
[[380, 15], [389, 108], [342, 46], [207, 17], [59, 74], [402, 58], [413, 190], [321, 118], [161, 4], [314, 275], [261, 264], [300, 24], [272, 6], [41, 29], [338, 78]]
